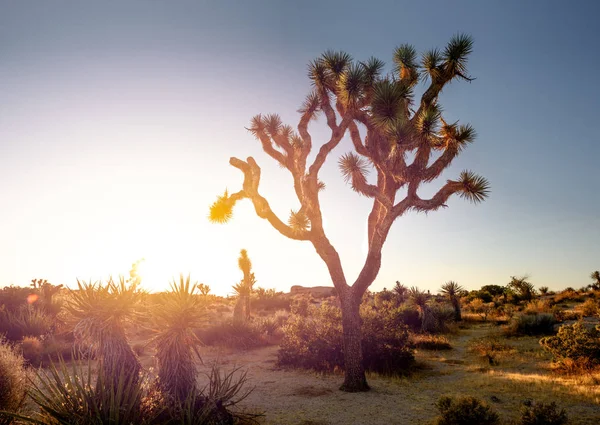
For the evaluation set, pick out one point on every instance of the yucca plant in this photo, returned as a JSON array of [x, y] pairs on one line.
[[71, 395], [100, 314], [451, 290], [420, 299], [595, 276], [177, 316]]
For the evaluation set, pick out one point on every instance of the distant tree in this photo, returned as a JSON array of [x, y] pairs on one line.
[[493, 289], [406, 144], [595, 276], [451, 290], [241, 311], [203, 288], [522, 288], [401, 292], [420, 298], [543, 290]]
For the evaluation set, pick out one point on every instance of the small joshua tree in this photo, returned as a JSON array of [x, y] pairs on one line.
[[405, 142], [452, 291]]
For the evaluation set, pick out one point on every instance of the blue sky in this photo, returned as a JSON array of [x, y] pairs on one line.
[[117, 120]]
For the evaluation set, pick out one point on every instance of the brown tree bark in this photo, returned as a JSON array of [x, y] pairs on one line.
[[355, 379]]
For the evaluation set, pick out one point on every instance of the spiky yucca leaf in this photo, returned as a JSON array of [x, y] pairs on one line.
[[456, 54], [451, 289], [406, 66], [298, 221], [475, 188], [317, 72], [321, 185], [431, 64], [336, 62], [256, 125], [272, 123], [311, 103], [428, 121], [388, 103], [418, 297], [221, 211], [351, 85], [372, 69], [352, 166]]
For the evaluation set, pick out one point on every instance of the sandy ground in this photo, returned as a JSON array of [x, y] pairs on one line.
[[301, 397]]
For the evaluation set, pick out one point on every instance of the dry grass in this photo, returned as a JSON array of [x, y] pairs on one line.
[[523, 372]]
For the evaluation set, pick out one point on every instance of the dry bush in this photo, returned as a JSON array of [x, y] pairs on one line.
[[588, 308], [430, 342], [465, 411], [315, 341], [537, 306], [13, 380], [542, 414], [531, 324], [574, 343], [32, 349], [241, 336]]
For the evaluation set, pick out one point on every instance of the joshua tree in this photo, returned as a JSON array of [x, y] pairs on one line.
[[241, 311], [420, 298], [401, 291], [452, 291], [595, 276], [406, 143]]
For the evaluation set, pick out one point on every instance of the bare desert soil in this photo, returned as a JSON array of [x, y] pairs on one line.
[[299, 397]]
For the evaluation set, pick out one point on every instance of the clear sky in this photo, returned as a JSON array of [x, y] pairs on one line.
[[117, 120]]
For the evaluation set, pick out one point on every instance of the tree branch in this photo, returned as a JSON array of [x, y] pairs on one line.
[[251, 172]]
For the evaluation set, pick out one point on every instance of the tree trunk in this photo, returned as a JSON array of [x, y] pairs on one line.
[[355, 379], [457, 313], [247, 312], [238, 311]]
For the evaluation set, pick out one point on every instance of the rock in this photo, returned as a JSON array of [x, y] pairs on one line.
[[314, 291]]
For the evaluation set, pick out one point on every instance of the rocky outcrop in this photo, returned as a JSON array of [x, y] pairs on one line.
[[314, 291]]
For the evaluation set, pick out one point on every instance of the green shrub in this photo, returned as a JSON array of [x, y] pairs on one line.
[[574, 342], [315, 341], [409, 316], [532, 324], [465, 411], [13, 381], [543, 414]]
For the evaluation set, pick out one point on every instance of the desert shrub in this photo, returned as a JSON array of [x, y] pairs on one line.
[[588, 308], [568, 294], [443, 315], [409, 316], [24, 321], [384, 342], [269, 299], [300, 305], [489, 348], [32, 349], [531, 324], [227, 333], [574, 342], [13, 381], [562, 315], [543, 414], [465, 411], [537, 306], [430, 342], [315, 341], [14, 297]]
